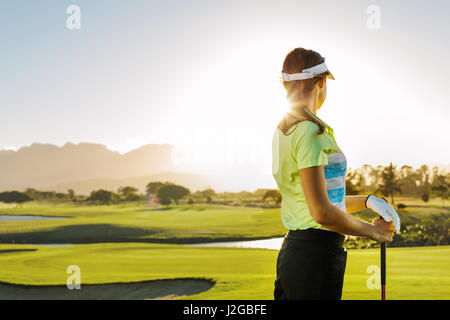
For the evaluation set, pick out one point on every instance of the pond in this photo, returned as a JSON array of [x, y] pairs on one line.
[[13, 217], [274, 244]]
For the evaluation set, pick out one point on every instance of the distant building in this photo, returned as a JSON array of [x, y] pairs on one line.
[[152, 200]]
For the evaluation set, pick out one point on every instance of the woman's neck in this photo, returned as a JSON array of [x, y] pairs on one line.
[[295, 109], [310, 104]]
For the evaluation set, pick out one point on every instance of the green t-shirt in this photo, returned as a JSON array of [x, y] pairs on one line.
[[301, 148]]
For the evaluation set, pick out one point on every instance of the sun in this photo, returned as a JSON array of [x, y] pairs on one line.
[[232, 109]]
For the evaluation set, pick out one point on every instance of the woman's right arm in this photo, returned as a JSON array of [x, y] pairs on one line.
[[333, 218]]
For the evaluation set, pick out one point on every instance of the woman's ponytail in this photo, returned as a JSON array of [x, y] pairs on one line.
[[289, 121]]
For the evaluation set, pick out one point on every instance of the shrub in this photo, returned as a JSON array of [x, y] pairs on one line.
[[165, 201], [429, 231]]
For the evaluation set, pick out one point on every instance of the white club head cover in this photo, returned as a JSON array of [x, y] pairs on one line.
[[384, 209]]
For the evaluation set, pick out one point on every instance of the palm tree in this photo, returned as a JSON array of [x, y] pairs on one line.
[[390, 184]]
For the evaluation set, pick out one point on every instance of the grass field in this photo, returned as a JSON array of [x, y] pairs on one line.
[[177, 224], [117, 252], [413, 273], [132, 223]]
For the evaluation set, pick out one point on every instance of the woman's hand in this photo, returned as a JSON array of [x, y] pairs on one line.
[[384, 231], [384, 209]]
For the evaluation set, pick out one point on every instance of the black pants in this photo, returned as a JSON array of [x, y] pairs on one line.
[[310, 265]]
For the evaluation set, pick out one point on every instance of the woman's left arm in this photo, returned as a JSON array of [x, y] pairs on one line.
[[355, 203]]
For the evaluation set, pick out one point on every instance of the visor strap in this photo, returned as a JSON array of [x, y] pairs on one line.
[[306, 73]]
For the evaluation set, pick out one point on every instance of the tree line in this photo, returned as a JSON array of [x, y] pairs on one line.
[[165, 192], [389, 181]]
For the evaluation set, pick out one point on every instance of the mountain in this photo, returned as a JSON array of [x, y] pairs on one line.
[[84, 167], [44, 165]]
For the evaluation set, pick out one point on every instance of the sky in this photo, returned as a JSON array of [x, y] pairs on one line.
[[203, 76]]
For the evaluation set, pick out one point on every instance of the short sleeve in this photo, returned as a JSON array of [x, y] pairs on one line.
[[308, 148]]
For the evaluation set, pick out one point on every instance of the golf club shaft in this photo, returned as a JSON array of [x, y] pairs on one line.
[[383, 269]]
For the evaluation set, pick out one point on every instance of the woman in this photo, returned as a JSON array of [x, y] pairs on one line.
[[310, 170]]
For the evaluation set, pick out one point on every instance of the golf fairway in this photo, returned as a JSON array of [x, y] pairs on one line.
[[237, 273]]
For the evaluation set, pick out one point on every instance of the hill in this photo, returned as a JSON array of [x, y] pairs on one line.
[[45, 165]]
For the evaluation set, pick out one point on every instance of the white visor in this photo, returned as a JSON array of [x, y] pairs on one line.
[[308, 73]]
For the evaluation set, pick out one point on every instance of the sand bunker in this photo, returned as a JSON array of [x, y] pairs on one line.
[[153, 289]]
